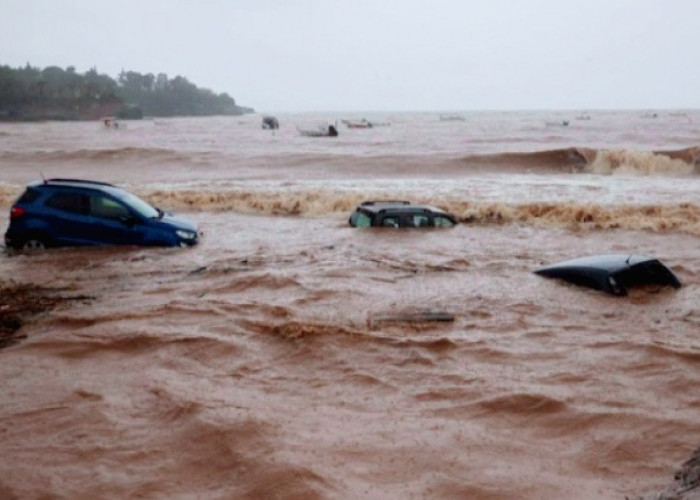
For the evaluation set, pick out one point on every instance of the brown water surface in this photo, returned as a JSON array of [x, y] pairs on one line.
[[285, 356]]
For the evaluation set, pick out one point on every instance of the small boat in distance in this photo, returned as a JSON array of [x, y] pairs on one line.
[[270, 123], [562, 123], [323, 130], [364, 123], [358, 123], [451, 118]]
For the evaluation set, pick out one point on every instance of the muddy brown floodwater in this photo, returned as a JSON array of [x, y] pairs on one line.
[[291, 356]]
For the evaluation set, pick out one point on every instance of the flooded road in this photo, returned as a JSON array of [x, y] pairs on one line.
[[291, 356]]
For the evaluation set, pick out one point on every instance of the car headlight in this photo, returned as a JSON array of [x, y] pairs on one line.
[[186, 235]]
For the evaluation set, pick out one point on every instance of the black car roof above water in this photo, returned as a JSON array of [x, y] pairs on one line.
[[610, 263], [394, 206], [612, 273]]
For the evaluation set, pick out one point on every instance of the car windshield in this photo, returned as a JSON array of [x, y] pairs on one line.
[[646, 273], [140, 206]]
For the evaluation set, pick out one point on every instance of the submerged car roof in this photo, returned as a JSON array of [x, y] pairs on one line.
[[612, 273], [394, 205], [610, 263]]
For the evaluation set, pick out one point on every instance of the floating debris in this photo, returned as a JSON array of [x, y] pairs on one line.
[[412, 318]]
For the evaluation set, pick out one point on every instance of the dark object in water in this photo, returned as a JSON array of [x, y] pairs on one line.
[[416, 317], [392, 213], [324, 130], [21, 303], [685, 485], [612, 273], [270, 123]]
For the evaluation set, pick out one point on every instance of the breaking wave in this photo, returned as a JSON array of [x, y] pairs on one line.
[[594, 161], [567, 160], [640, 163], [682, 217]]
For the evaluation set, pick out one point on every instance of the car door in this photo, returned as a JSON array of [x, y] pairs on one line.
[[113, 222], [67, 217]]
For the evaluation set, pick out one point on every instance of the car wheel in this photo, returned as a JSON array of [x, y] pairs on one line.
[[34, 244]]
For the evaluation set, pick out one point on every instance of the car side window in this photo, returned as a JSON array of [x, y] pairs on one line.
[[68, 202], [441, 221], [390, 221], [360, 219], [101, 206], [419, 220]]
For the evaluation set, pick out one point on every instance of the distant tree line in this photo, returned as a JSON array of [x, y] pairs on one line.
[[31, 93]]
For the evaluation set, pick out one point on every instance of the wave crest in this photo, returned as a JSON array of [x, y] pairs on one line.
[[594, 161], [626, 162], [683, 217]]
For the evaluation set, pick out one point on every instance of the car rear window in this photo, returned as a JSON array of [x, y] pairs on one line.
[[28, 196]]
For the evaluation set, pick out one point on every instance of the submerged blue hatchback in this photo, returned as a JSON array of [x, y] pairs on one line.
[[67, 212]]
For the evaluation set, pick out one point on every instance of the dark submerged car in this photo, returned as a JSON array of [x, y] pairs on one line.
[[612, 273], [399, 214], [69, 212]]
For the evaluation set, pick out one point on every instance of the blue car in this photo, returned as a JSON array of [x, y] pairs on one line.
[[68, 212]]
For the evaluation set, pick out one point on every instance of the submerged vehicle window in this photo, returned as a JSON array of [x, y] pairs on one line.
[[441, 221], [140, 206], [419, 220], [390, 221], [360, 219]]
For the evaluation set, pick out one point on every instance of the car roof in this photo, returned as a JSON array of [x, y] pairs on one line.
[[397, 206], [607, 263], [612, 273], [76, 183]]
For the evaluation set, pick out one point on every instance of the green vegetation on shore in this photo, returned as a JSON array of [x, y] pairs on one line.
[[53, 93]]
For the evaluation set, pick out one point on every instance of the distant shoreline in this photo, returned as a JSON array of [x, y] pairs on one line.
[[32, 94]]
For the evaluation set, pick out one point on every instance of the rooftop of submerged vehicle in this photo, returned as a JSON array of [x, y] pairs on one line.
[[399, 214], [613, 274]]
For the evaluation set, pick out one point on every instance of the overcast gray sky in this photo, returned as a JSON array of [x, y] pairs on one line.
[[386, 55]]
